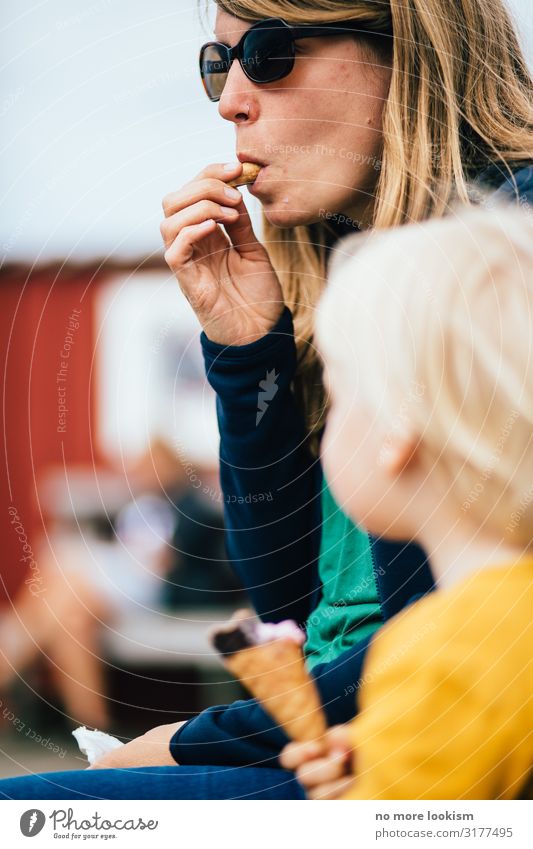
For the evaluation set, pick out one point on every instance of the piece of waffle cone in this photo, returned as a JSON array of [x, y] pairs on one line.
[[274, 672], [249, 173]]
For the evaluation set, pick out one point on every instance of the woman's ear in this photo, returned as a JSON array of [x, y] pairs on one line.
[[398, 451]]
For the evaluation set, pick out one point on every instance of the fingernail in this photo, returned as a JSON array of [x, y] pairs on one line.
[[227, 210], [231, 166], [206, 223], [232, 193]]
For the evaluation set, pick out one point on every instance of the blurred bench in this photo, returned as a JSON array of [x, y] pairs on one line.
[[174, 639], [165, 638]]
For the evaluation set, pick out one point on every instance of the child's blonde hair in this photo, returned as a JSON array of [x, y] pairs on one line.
[[431, 327]]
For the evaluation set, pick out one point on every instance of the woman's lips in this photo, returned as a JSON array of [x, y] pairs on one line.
[[254, 186]]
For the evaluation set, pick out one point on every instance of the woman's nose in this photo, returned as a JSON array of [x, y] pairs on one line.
[[238, 102]]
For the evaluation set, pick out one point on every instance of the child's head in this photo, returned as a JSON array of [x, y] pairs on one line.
[[427, 338]]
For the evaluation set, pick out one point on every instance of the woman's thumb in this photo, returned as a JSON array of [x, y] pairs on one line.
[[241, 232]]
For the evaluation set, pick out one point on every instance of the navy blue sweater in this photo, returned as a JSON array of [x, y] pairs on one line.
[[274, 547]]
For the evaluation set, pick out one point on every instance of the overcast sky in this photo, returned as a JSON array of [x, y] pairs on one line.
[[103, 114]]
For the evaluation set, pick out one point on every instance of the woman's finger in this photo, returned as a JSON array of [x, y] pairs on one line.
[[220, 171], [181, 250], [211, 187], [195, 214], [240, 231]]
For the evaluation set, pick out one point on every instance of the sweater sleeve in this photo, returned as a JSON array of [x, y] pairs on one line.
[[270, 483]]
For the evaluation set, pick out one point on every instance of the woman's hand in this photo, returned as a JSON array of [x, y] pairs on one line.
[[324, 768], [229, 282], [151, 749]]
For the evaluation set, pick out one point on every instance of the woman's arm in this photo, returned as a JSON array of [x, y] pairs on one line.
[[243, 733], [150, 749], [270, 484]]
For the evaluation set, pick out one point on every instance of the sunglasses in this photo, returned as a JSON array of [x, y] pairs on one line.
[[265, 52]]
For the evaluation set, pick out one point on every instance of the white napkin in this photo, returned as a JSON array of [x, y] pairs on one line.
[[95, 744]]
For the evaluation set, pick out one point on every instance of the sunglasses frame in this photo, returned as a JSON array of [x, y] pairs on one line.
[[294, 32]]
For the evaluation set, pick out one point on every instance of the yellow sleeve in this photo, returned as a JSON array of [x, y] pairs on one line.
[[427, 729]]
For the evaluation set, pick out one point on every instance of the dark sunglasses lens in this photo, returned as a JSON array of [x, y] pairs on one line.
[[214, 68], [268, 54]]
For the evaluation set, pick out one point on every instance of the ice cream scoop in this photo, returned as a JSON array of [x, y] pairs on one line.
[[249, 173]]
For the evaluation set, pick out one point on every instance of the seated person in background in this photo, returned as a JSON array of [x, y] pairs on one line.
[[92, 570], [427, 338], [198, 574], [163, 548]]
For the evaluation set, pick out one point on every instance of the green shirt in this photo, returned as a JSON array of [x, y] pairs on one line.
[[349, 609]]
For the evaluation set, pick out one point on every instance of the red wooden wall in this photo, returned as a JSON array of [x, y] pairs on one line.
[[34, 326]]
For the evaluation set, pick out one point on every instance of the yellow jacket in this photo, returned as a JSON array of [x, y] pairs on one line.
[[446, 705]]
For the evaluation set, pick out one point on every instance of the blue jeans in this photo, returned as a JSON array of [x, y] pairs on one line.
[[156, 782]]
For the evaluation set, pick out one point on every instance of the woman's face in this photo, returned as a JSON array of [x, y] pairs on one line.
[[317, 131]]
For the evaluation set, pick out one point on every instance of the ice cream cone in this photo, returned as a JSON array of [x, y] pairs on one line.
[[274, 672]]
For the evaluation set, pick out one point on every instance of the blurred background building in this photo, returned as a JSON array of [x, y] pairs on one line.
[[112, 555]]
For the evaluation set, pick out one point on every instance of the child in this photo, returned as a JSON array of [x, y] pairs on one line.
[[427, 339]]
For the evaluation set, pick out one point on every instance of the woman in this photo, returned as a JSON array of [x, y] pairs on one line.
[[383, 121]]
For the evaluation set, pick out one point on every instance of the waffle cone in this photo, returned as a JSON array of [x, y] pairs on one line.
[[275, 674], [249, 172]]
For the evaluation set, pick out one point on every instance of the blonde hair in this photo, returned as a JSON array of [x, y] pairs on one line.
[[460, 98], [438, 344]]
